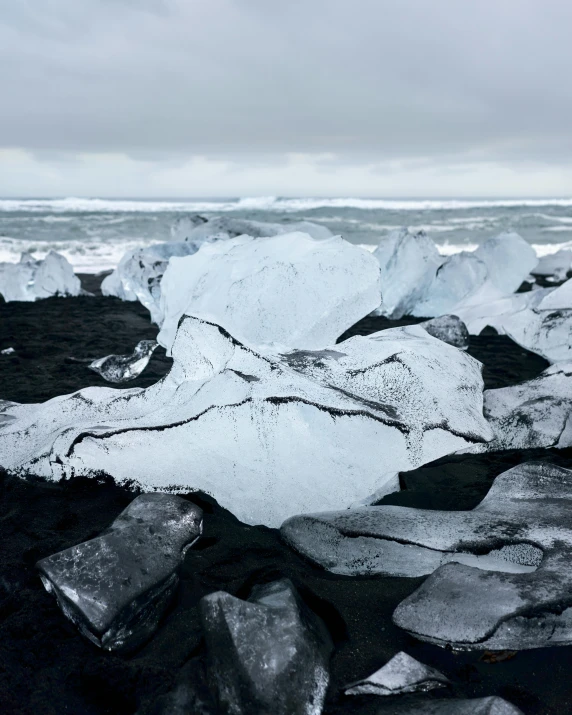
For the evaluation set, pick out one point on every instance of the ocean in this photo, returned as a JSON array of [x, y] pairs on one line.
[[94, 233]]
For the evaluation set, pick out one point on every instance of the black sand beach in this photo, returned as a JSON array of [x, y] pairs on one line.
[[47, 667]]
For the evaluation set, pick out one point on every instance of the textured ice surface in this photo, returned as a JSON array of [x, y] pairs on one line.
[[116, 587], [509, 259], [536, 413], [288, 289], [268, 435], [528, 508], [555, 264], [122, 368], [473, 706], [402, 674], [456, 280], [30, 280], [450, 329], [269, 654], [408, 264]]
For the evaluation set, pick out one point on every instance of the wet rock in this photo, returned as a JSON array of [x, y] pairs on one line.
[[116, 587], [402, 674], [450, 329], [269, 654]]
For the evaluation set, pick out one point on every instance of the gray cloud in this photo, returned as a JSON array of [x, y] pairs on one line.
[[371, 79]]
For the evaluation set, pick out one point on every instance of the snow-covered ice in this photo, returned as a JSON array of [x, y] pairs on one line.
[[401, 674], [288, 289], [32, 279], [269, 654], [116, 587], [269, 435]]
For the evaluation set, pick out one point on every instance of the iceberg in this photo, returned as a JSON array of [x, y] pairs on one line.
[[289, 289], [269, 435], [536, 413], [555, 264], [408, 264], [509, 260], [116, 587], [32, 279], [402, 674], [122, 368], [269, 654]]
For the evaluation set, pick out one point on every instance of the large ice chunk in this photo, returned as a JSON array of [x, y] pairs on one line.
[[116, 587], [288, 289], [509, 259], [536, 413], [269, 654], [32, 279], [408, 264], [555, 264], [269, 435], [401, 674]]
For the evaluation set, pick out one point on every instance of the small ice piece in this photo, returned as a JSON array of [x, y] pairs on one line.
[[8, 351], [116, 587], [269, 654], [408, 264], [509, 259], [536, 413], [555, 264], [402, 674], [456, 280], [450, 329], [268, 434], [31, 280], [122, 368], [289, 289], [472, 706]]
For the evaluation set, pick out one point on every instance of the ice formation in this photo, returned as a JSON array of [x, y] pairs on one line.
[[555, 264], [268, 435], [122, 368], [116, 587], [269, 654], [450, 329], [408, 264], [30, 280], [509, 259], [402, 674], [288, 289], [195, 229], [472, 706], [536, 413], [8, 351]]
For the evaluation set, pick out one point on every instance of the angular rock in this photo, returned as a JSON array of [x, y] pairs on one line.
[[509, 259], [269, 654], [402, 674], [536, 413], [122, 368], [450, 329], [30, 280], [116, 587], [269, 435], [528, 515], [473, 706], [408, 264], [556, 264], [288, 289]]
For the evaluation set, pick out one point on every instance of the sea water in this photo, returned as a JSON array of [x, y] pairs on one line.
[[94, 233]]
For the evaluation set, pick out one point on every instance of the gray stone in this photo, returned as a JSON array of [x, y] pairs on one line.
[[116, 587], [450, 329]]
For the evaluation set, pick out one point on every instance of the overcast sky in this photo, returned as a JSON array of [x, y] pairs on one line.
[[195, 98]]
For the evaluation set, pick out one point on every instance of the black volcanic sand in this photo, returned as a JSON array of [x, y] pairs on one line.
[[47, 667]]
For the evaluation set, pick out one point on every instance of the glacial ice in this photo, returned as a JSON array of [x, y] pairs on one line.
[[408, 264], [509, 259], [289, 289], [402, 674], [269, 654], [116, 587], [556, 264], [450, 329], [269, 435], [536, 413], [32, 279], [122, 368], [232, 227], [493, 705]]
